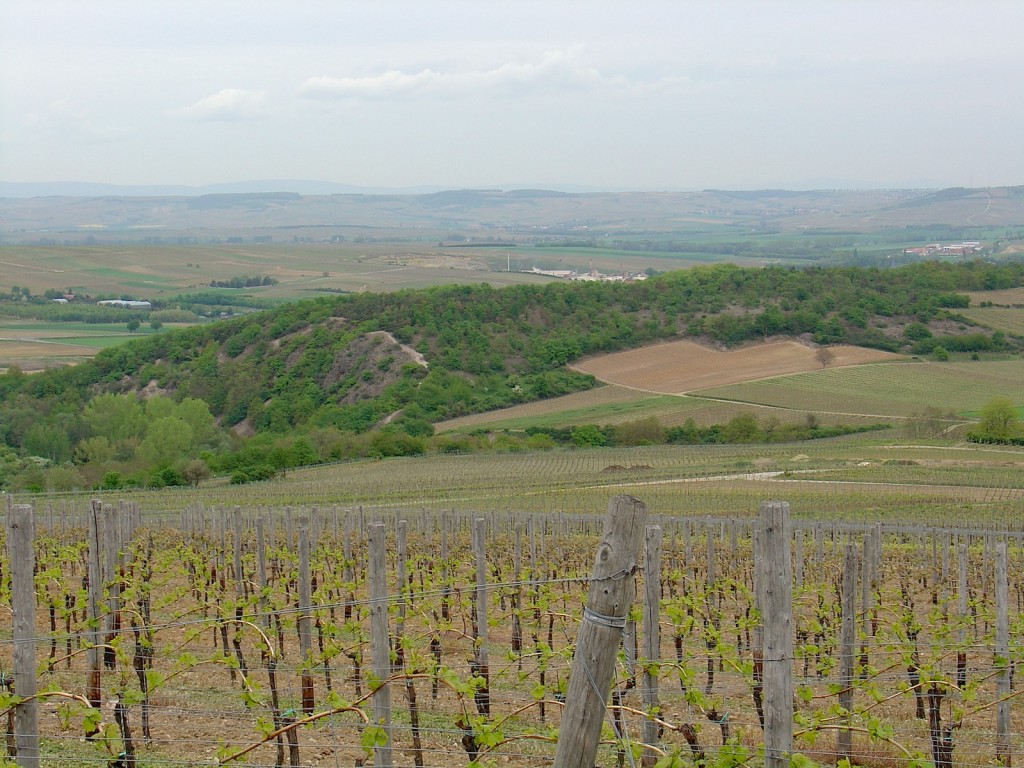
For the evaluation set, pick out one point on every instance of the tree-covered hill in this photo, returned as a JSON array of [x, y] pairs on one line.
[[396, 362]]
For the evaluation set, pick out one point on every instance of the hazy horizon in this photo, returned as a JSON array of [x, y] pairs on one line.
[[599, 95]]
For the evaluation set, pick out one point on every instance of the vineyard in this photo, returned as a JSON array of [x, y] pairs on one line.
[[342, 635]]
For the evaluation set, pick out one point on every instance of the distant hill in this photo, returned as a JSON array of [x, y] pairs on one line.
[[527, 213], [396, 363]]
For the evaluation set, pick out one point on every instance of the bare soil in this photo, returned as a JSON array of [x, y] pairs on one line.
[[678, 367]]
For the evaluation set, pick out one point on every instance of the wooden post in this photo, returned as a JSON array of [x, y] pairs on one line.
[[963, 615], [21, 559], [380, 646], [776, 599], [604, 616], [112, 580], [847, 638], [867, 579], [94, 654], [483, 695], [305, 620], [1002, 657], [652, 638], [517, 595]]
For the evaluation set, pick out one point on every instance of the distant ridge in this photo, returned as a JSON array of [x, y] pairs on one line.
[[295, 186]]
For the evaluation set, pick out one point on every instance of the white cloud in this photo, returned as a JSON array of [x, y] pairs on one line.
[[556, 69], [228, 104]]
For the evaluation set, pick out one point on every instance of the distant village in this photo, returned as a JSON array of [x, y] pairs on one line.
[[591, 275], [966, 248], [123, 303]]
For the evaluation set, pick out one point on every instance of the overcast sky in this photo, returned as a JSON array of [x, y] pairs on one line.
[[458, 93]]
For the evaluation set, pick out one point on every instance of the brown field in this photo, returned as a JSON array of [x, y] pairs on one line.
[[1005, 298], [634, 379], [679, 367], [34, 355]]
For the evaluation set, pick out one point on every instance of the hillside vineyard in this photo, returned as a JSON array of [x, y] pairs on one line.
[[251, 634]]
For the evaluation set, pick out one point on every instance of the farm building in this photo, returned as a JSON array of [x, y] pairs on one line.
[[126, 303]]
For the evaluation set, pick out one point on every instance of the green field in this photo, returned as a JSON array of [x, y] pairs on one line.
[[34, 345], [886, 389], [618, 405], [1005, 319]]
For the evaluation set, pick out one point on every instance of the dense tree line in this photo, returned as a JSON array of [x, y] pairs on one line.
[[323, 366]]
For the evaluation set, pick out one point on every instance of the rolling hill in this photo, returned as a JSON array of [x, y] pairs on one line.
[[318, 374]]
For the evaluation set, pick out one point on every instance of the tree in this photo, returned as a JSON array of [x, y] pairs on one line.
[[588, 436], [116, 417], [999, 419], [133, 325], [47, 441], [156, 325], [167, 440], [824, 355], [195, 472]]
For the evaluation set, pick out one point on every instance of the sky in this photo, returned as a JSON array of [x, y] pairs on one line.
[[648, 95]]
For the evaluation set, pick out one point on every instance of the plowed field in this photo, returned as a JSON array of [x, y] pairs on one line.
[[683, 366]]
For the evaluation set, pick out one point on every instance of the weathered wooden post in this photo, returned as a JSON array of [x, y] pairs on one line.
[[305, 619], [847, 639], [1002, 659], [379, 641], [964, 615], [20, 533], [652, 638], [597, 643], [776, 600], [93, 691], [482, 695]]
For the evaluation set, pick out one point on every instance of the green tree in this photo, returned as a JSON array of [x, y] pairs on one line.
[[48, 442], [94, 450], [196, 413], [999, 419], [133, 325], [588, 436], [168, 440], [159, 407], [116, 417]]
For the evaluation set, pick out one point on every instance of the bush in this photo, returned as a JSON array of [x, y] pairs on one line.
[[252, 473], [168, 477], [387, 444]]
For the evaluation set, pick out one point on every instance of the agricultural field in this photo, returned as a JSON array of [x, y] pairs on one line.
[[955, 388], [681, 370], [683, 366], [154, 272], [34, 346], [611, 405]]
